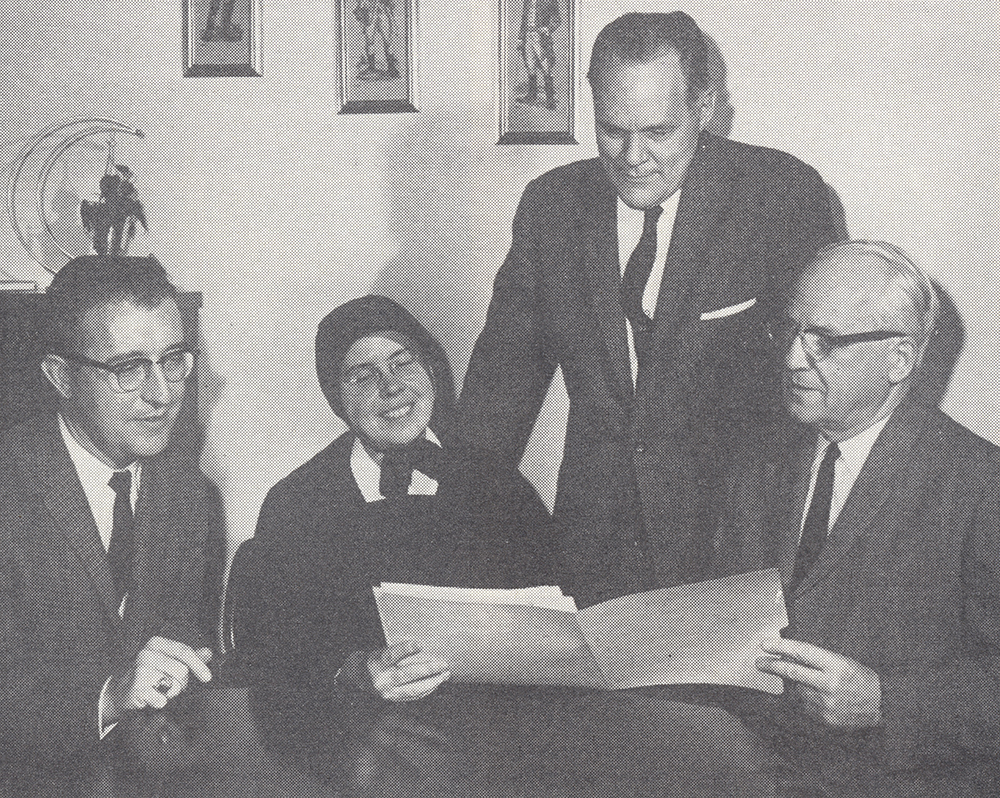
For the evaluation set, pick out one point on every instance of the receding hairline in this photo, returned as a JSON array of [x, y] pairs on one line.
[[908, 291]]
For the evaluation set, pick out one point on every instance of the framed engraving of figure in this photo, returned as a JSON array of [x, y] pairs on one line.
[[377, 69], [537, 71], [221, 38]]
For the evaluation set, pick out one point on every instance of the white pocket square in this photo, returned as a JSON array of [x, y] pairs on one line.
[[732, 310]]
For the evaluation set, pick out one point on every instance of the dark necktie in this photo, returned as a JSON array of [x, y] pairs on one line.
[[634, 280], [398, 465], [817, 525], [122, 543]]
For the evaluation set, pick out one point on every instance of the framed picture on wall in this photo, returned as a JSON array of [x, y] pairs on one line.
[[537, 71], [221, 38], [377, 61]]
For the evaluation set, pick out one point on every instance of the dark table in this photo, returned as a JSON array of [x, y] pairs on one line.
[[207, 744]]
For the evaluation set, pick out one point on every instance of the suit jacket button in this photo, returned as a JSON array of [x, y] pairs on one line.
[[640, 448]]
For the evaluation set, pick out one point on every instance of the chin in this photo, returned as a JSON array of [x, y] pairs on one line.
[[150, 446], [640, 199]]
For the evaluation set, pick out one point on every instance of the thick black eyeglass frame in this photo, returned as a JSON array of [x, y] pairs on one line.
[[826, 343], [117, 369]]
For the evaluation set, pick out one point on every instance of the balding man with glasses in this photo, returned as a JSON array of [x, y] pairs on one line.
[[883, 515], [103, 533]]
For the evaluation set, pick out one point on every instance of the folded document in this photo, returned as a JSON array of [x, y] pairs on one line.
[[703, 633]]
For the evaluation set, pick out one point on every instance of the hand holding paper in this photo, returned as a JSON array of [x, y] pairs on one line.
[[832, 689], [402, 672], [704, 633]]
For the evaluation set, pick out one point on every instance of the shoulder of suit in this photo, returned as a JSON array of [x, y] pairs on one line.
[[958, 442], [30, 443], [572, 178], [754, 160]]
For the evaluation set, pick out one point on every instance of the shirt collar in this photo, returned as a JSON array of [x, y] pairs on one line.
[[367, 473], [853, 451], [91, 469], [94, 476], [636, 216]]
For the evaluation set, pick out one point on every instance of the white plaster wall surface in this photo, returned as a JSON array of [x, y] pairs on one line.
[[277, 208]]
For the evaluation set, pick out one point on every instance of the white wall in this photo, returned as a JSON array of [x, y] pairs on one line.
[[277, 208]]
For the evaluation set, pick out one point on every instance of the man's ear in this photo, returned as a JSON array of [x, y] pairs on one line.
[[906, 356], [706, 108], [56, 371]]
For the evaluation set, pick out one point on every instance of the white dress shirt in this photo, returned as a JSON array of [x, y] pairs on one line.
[[630, 222], [853, 454], [94, 477], [368, 473]]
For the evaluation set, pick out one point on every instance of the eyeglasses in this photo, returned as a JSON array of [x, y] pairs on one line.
[[129, 375], [366, 376], [819, 345]]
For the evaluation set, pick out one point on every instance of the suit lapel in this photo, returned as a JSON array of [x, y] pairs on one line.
[[705, 195], [877, 482], [59, 486], [598, 234], [796, 451]]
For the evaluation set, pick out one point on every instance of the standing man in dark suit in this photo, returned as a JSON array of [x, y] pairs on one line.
[[883, 515], [646, 275], [102, 533]]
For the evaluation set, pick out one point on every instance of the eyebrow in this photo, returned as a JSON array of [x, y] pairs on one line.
[[137, 355], [370, 364]]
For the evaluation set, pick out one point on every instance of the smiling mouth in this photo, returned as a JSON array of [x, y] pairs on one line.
[[398, 412]]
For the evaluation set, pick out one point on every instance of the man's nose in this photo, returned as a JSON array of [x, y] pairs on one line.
[[155, 390], [796, 357], [390, 383], [635, 149]]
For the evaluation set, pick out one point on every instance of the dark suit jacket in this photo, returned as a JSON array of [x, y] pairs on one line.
[[908, 583], [748, 219], [60, 633]]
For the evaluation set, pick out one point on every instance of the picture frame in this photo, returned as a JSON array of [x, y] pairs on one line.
[[538, 71], [377, 57], [221, 38]]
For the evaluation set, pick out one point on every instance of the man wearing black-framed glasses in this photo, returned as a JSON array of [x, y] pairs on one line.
[[883, 516], [130, 375], [104, 610]]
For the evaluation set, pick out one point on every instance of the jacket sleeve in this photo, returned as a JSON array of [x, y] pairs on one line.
[[510, 368], [48, 705], [938, 713]]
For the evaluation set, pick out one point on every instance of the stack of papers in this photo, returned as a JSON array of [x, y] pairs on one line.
[[704, 633]]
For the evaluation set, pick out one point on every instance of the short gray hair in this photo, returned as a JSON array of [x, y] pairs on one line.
[[911, 280]]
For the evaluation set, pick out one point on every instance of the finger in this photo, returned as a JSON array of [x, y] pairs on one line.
[[154, 669], [143, 696], [388, 657], [806, 653], [204, 654], [416, 690], [182, 653], [390, 681], [802, 674], [416, 670]]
